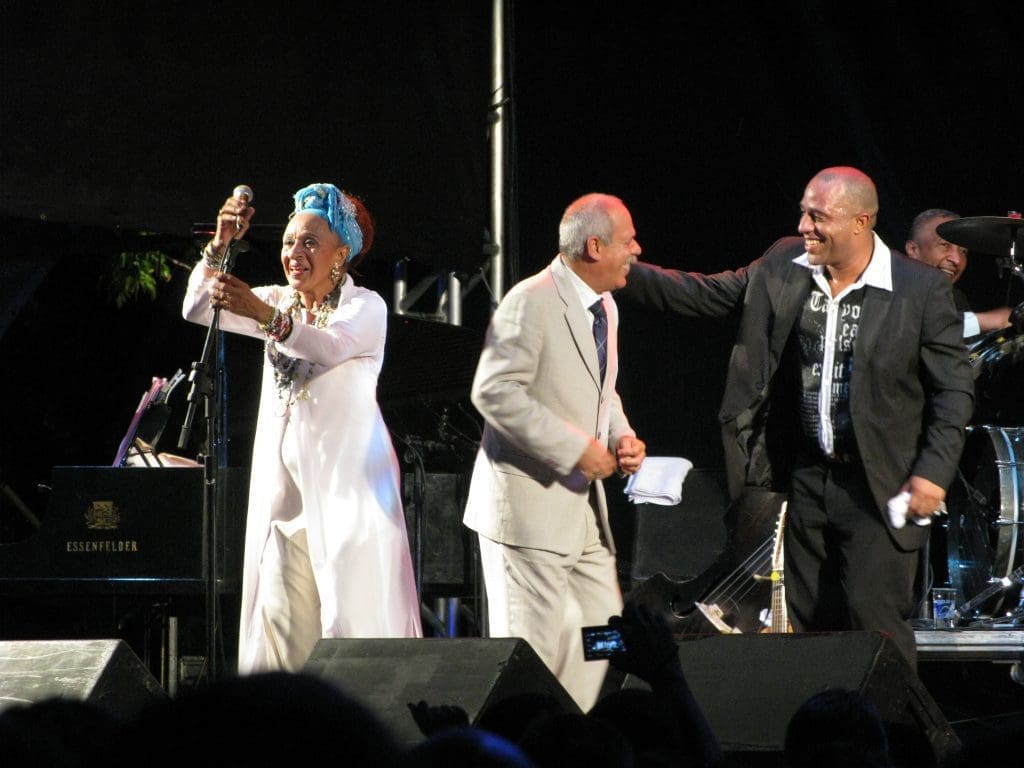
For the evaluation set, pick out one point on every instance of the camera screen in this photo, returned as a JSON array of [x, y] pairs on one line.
[[601, 642]]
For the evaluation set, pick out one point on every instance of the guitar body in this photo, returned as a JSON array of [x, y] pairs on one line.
[[731, 595]]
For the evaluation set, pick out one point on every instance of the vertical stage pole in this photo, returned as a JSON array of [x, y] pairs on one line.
[[498, 130]]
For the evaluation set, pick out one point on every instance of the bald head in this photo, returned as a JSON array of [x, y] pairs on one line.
[[851, 191], [837, 221]]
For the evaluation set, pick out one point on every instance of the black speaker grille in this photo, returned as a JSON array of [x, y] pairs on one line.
[[473, 673]]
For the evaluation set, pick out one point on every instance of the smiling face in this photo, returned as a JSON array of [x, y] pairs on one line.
[[308, 252], [826, 222], [837, 218], [929, 246], [615, 256]]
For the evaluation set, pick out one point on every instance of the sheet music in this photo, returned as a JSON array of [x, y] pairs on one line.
[[132, 445]]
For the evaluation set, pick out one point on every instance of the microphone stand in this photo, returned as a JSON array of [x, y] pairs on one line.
[[212, 392], [414, 456]]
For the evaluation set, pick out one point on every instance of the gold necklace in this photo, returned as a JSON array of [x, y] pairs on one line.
[[286, 368], [322, 313]]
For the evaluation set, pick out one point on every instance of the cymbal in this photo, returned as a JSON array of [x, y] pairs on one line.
[[985, 234]]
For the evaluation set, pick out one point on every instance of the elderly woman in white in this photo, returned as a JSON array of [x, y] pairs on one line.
[[326, 548]]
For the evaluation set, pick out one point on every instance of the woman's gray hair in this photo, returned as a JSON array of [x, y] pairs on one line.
[[586, 217]]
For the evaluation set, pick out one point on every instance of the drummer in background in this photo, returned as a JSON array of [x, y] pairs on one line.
[[925, 244]]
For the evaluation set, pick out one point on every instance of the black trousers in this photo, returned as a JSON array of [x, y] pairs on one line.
[[843, 571]]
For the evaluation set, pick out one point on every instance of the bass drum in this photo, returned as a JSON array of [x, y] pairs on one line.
[[984, 531]]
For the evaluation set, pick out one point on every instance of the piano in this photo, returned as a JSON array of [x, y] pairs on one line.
[[127, 530], [119, 553]]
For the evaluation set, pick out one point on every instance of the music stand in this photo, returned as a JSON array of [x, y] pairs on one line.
[[147, 426]]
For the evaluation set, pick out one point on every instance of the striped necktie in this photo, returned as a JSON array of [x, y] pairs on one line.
[[601, 335]]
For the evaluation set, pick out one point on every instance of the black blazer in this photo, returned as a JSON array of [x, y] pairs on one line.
[[911, 389]]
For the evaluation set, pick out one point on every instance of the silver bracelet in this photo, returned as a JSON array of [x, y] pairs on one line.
[[211, 259]]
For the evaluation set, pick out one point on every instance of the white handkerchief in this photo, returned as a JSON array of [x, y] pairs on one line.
[[898, 511], [658, 481]]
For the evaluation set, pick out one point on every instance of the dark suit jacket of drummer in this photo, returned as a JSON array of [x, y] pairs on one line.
[[911, 389]]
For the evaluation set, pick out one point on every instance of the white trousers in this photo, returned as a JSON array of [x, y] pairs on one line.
[[289, 598], [290, 601]]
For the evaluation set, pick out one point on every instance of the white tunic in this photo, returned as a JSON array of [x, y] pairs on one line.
[[347, 475]]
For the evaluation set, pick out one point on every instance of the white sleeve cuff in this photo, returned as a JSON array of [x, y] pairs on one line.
[[971, 325]]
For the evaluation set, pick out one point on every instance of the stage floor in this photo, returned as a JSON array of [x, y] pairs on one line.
[[970, 644], [973, 673], [976, 677]]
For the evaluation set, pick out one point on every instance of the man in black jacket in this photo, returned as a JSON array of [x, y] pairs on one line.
[[848, 386]]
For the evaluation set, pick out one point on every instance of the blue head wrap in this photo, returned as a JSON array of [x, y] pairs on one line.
[[333, 206]]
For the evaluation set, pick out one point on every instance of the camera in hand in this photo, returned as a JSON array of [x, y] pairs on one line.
[[601, 642]]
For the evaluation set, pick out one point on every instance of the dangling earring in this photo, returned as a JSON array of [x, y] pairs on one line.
[[336, 273]]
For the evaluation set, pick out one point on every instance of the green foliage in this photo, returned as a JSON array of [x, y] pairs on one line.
[[138, 275]]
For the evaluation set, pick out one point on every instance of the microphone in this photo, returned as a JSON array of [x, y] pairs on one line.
[[243, 192]]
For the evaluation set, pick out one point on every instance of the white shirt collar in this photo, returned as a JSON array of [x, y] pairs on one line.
[[878, 273], [587, 294]]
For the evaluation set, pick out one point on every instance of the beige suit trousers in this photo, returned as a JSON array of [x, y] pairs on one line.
[[546, 598]]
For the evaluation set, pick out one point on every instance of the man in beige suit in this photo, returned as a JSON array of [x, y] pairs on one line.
[[554, 429]]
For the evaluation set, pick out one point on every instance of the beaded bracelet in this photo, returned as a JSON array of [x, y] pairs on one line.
[[278, 327], [270, 318]]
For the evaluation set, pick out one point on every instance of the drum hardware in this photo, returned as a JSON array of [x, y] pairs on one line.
[[970, 608], [997, 357], [994, 235], [984, 537], [997, 363], [1017, 318]]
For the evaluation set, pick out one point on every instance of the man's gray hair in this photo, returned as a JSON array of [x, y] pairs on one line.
[[586, 217], [925, 216]]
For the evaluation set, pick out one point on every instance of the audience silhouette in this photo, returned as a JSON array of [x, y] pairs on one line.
[[267, 718], [55, 732], [273, 717], [837, 727], [569, 740], [467, 746], [683, 735]]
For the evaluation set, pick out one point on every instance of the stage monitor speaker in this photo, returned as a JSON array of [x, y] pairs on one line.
[[683, 540], [386, 675], [103, 672], [750, 685]]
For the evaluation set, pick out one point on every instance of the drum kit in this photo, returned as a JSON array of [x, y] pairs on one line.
[[979, 549]]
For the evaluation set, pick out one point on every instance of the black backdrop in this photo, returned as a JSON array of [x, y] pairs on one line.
[[707, 119]]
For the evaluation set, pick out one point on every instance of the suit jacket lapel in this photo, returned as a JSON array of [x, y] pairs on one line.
[[874, 311], [576, 319], [787, 298]]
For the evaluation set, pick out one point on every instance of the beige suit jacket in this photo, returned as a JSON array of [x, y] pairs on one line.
[[537, 387]]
